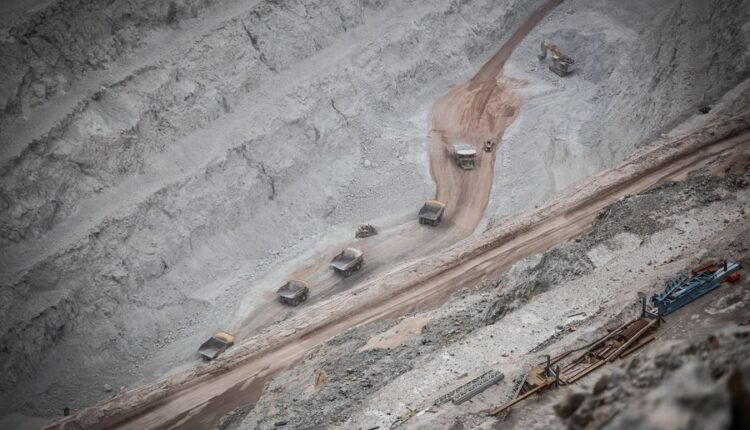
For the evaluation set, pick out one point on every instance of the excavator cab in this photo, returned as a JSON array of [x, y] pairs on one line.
[[561, 64]]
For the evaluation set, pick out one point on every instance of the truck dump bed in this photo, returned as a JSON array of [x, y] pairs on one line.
[[292, 289], [464, 150], [211, 348], [431, 212], [293, 292], [346, 260]]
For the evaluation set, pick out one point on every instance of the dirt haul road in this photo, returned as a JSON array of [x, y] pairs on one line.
[[196, 398], [473, 112]]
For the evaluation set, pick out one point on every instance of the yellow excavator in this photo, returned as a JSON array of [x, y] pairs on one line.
[[560, 63]]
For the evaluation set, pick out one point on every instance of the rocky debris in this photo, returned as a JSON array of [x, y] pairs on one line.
[[645, 213], [351, 375], [689, 399], [233, 419], [535, 275], [680, 385], [621, 121], [365, 230], [569, 404], [57, 45]]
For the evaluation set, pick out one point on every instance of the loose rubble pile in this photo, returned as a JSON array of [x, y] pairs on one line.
[[688, 384]]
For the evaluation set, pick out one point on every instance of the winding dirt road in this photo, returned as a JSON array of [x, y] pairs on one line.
[[473, 112]]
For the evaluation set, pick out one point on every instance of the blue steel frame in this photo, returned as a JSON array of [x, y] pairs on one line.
[[683, 290]]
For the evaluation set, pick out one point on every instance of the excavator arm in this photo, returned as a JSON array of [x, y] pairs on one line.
[[556, 53]]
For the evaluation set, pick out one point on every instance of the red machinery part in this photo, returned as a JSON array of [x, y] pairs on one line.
[[734, 277]]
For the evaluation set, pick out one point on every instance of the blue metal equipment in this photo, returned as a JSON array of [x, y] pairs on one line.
[[682, 289]]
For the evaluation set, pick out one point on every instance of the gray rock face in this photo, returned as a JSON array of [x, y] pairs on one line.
[[45, 52], [569, 404], [680, 386], [689, 399], [157, 157]]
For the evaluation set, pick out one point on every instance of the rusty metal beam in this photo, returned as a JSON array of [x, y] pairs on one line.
[[630, 341]]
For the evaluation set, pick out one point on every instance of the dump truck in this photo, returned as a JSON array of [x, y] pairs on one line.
[[347, 261], [217, 344], [465, 155], [431, 212], [293, 292]]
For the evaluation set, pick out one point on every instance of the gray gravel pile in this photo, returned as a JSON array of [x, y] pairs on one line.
[[535, 275], [701, 384], [642, 214], [346, 374], [648, 212]]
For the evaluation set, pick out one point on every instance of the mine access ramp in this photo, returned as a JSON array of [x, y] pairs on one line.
[[684, 289]]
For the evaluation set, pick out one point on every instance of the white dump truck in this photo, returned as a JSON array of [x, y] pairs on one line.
[[465, 155]]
